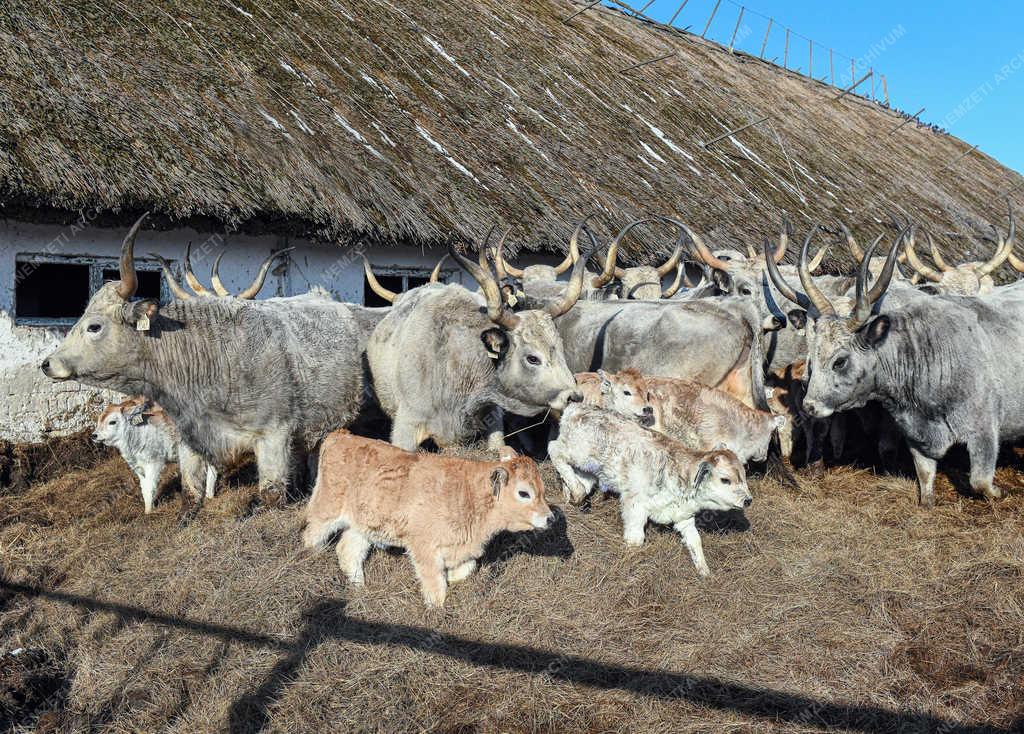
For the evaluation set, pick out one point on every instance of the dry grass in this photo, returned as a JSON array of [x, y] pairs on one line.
[[843, 605]]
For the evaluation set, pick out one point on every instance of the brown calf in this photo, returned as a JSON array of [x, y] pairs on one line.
[[441, 509]]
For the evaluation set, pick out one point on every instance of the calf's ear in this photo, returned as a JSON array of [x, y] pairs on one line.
[[875, 332], [507, 453], [703, 472], [496, 342], [499, 478]]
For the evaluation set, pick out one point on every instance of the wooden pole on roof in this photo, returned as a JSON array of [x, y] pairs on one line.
[[737, 28], [676, 14], [785, 55], [853, 86], [853, 70], [810, 58], [713, 11], [739, 129], [885, 89], [581, 10], [832, 67], [649, 4], [872, 71], [669, 55], [909, 120], [764, 43]]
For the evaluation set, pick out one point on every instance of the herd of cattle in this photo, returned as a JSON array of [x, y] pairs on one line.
[[659, 395]]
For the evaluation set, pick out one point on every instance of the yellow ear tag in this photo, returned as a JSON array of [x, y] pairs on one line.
[[512, 300], [143, 323]]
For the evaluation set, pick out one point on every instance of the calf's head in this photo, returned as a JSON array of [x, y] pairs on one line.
[[626, 393], [720, 482], [103, 347], [117, 420], [518, 492]]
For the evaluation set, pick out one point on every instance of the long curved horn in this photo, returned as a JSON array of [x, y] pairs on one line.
[[575, 285], [676, 257], [502, 266], [257, 283], [677, 283], [937, 256], [129, 282], [703, 253], [496, 310], [915, 262], [780, 249], [574, 253], [779, 282], [608, 269], [884, 278], [574, 241], [193, 282], [860, 311], [375, 285], [484, 249], [816, 260], [851, 242], [1015, 262], [435, 274], [1002, 253], [818, 299], [172, 283], [218, 285], [499, 258]]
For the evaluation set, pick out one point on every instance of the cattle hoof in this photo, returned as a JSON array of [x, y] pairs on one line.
[[927, 502], [704, 572], [272, 498], [993, 492]]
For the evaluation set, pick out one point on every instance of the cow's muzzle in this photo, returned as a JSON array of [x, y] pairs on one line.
[[565, 397], [55, 369], [816, 409]]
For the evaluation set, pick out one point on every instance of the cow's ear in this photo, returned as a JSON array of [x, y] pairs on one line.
[[703, 472], [507, 453], [139, 313], [874, 334], [798, 318], [496, 342], [499, 478], [722, 280]]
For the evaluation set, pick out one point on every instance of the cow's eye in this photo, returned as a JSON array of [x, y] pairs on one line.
[[627, 393], [726, 480], [745, 291], [839, 365], [524, 494], [112, 423], [533, 359], [93, 328]]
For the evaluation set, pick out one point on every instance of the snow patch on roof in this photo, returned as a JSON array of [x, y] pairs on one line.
[[444, 54]]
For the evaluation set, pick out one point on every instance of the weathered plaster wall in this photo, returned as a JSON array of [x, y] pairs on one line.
[[33, 408]]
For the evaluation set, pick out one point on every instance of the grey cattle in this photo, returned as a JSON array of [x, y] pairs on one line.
[[949, 369], [965, 279], [234, 375], [656, 477], [713, 341], [446, 362]]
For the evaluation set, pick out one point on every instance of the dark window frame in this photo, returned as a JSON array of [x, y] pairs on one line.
[[447, 275], [96, 265]]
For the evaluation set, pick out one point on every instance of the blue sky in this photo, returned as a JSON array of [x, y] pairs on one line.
[[962, 61]]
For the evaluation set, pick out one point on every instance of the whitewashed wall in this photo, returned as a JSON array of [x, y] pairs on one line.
[[33, 408]]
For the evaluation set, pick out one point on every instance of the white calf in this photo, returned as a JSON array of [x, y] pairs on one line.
[[147, 439]]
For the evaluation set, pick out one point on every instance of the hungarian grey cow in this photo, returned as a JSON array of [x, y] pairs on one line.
[[273, 377]]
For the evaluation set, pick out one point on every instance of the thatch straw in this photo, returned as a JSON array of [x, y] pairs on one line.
[[426, 122]]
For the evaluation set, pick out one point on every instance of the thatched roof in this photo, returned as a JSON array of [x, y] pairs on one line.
[[424, 121]]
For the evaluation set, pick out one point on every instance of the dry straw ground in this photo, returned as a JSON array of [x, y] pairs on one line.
[[843, 605]]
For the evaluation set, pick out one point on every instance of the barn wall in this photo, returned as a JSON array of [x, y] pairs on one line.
[[33, 408]]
